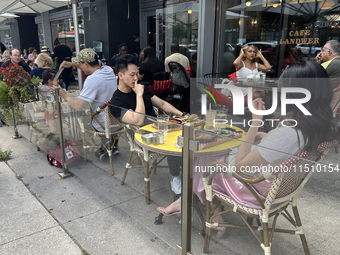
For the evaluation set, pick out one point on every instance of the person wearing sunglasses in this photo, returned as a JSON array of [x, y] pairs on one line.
[[329, 58]]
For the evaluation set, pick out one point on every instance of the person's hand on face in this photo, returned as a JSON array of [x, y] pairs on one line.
[[318, 58], [138, 89]]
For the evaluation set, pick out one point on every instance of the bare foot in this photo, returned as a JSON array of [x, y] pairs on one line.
[[172, 209]]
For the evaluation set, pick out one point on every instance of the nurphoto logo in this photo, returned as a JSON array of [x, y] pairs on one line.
[[238, 103]]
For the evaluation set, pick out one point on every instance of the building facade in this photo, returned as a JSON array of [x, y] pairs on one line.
[[210, 32]]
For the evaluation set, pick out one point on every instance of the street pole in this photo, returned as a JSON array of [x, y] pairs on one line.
[[76, 39]]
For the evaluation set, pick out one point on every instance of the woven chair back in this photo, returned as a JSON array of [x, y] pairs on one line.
[[294, 171]]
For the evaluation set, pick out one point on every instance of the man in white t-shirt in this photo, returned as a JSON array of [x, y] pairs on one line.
[[99, 87], [176, 57]]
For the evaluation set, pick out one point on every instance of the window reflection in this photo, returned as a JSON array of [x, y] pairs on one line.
[[285, 31], [64, 30]]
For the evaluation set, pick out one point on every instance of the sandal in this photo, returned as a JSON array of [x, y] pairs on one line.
[[162, 209]]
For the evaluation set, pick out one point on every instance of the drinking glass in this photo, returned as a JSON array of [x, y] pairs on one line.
[[262, 78], [162, 123], [221, 117], [209, 119]]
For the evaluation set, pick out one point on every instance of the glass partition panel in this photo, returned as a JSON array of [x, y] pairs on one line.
[[130, 158], [271, 151]]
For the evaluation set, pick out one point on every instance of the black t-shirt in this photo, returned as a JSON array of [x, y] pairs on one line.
[[128, 101], [147, 78], [21, 63], [62, 52]]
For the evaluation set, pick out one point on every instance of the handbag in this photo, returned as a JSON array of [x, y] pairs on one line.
[[71, 154]]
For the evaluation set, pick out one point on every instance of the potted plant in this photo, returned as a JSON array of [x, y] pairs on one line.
[[14, 89]]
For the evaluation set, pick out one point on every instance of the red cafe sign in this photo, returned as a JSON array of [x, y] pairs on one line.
[[296, 40]]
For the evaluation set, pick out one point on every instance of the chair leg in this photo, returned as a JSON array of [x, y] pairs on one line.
[[299, 224], [266, 239], [126, 168], [154, 166], [207, 229], [85, 150], [259, 225], [109, 151]]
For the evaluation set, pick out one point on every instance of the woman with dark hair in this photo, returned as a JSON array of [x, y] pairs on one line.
[[306, 132], [24, 54], [150, 66]]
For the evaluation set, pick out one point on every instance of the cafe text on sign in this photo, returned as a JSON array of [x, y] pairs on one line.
[[300, 33]]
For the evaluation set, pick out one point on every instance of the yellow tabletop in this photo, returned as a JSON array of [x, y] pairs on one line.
[[169, 148]]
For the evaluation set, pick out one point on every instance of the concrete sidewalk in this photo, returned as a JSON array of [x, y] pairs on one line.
[[26, 225], [43, 214]]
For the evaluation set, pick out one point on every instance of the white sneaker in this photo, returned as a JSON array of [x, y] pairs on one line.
[[176, 184]]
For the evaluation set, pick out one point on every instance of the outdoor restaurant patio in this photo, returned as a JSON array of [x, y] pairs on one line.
[[319, 221]]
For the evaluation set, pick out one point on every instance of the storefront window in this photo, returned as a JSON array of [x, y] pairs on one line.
[[286, 31], [181, 26], [5, 36], [64, 30]]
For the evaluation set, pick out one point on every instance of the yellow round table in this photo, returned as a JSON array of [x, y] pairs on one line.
[[169, 148]]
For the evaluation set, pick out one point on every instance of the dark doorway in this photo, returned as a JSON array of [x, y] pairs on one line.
[[151, 30]]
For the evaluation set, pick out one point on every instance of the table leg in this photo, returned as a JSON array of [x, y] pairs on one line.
[[146, 176], [147, 183]]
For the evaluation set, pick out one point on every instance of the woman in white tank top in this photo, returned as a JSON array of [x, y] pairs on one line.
[[245, 63]]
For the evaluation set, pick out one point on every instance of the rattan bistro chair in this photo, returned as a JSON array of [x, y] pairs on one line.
[[284, 192], [146, 160], [113, 130]]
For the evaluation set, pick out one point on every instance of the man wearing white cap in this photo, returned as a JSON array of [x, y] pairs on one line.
[[99, 87]]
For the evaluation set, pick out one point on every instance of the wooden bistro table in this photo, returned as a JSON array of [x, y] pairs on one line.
[[169, 148]]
